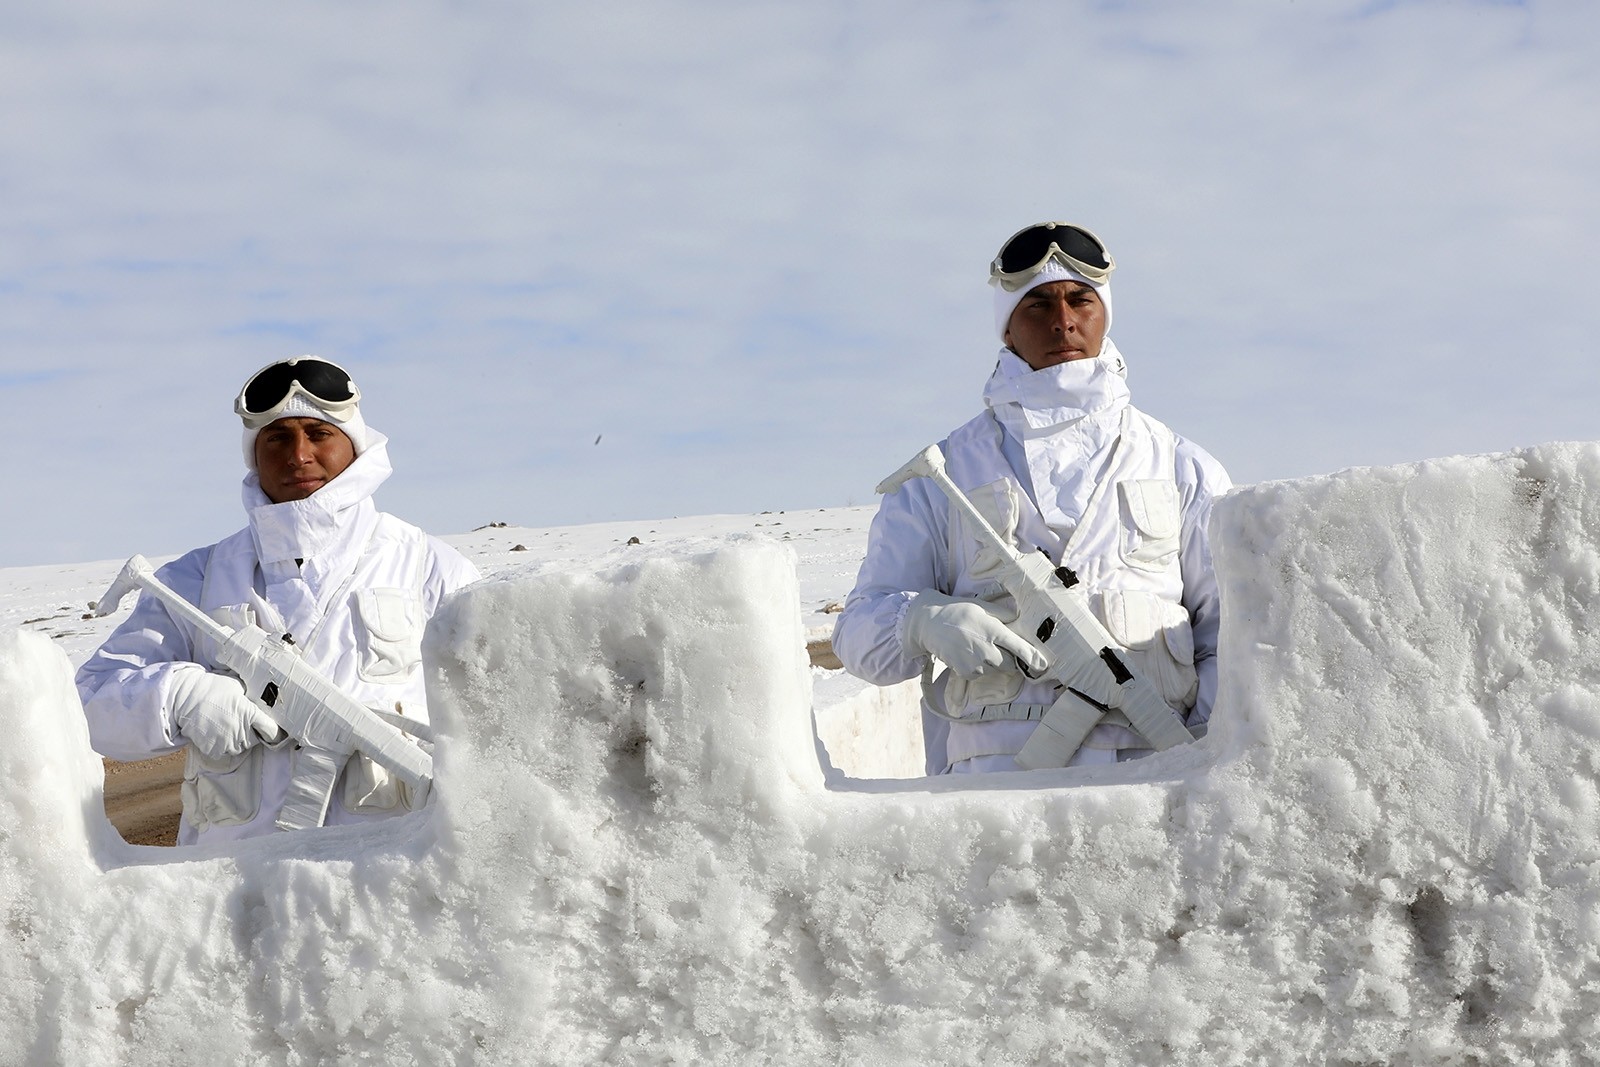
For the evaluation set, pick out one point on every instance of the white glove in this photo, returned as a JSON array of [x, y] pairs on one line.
[[965, 634], [215, 716]]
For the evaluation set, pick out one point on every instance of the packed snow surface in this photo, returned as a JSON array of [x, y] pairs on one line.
[[1384, 852]]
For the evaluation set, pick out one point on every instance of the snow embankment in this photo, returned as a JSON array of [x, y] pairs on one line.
[[1385, 851]]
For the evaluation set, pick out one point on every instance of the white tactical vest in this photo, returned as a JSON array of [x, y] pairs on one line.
[[1125, 549], [365, 634]]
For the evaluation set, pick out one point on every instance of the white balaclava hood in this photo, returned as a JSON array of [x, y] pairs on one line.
[[301, 406], [1006, 301]]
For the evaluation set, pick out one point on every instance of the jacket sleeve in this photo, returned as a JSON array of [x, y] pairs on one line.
[[905, 555], [448, 570], [126, 684], [1201, 479]]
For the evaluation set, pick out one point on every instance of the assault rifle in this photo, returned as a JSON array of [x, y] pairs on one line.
[[328, 723], [1054, 616]]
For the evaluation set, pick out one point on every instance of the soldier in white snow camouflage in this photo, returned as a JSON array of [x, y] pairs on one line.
[[1059, 461]]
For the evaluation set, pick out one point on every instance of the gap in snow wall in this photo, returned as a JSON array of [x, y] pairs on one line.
[[1384, 852]]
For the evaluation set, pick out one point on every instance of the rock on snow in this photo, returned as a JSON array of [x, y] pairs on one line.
[[1385, 851]]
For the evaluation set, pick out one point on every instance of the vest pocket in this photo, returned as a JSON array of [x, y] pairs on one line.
[[390, 640], [370, 789], [1158, 633], [221, 792], [234, 617], [997, 503], [1150, 523]]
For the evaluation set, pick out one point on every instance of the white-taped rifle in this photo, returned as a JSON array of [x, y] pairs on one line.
[[328, 723], [1053, 615]]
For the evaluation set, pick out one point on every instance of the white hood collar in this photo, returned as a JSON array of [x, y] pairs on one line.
[[306, 529], [1039, 399]]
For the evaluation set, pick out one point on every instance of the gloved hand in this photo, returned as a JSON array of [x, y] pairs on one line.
[[965, 634], [215, 716]]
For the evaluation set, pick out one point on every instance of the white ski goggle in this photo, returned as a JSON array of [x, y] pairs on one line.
[[1027, 251], [269, 390]]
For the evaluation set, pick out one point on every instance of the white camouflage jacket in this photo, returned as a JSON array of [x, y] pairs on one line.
[[1060, 461], [356, 606]]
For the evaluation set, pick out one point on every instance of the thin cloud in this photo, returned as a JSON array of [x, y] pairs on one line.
[[749, 243]]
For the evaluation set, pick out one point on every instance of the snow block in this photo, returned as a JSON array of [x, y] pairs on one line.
[[1384, 852]]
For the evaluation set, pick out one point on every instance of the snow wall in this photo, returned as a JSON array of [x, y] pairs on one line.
[[1385, 851]]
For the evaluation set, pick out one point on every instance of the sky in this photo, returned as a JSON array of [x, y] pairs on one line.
[[641, 260]]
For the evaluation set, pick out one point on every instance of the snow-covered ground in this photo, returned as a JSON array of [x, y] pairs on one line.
[[1387, 850]]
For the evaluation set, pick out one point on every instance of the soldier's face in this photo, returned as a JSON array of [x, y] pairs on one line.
[[1056, 323], [296, 457]]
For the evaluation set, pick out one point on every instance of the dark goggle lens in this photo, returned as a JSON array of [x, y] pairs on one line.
[[1026, 249], [322, 380]]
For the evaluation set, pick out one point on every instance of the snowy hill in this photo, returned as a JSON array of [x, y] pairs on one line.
[[828, 543], [1384, 851]]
